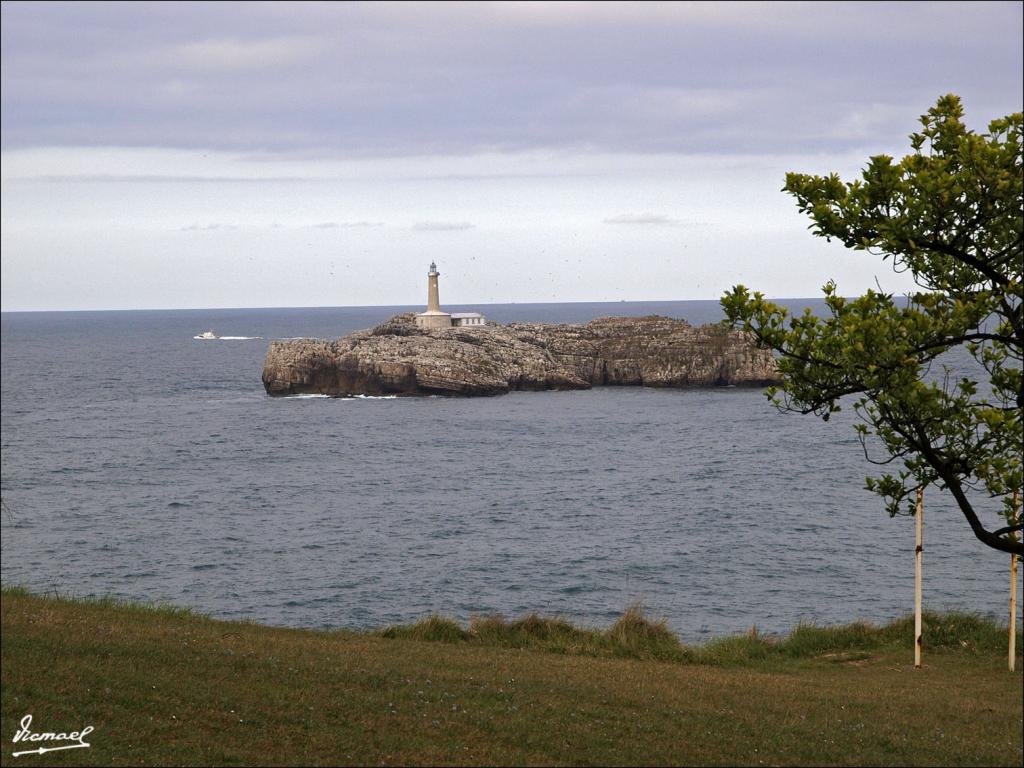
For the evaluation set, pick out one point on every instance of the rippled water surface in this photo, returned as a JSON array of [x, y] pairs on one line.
[[139, 462]]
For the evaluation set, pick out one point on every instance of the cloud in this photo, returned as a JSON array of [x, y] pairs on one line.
[[345, 224], [640, 218], [233, 55], [441, 226], [381, 79], [865, 120], [206, 227]]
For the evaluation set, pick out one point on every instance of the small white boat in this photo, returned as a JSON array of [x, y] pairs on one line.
[[206, 335]]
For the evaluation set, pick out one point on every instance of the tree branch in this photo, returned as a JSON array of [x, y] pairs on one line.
[[952, 481], [962, 256]]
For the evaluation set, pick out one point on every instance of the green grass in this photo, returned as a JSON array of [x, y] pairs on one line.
[[634, 636], [166, 686]]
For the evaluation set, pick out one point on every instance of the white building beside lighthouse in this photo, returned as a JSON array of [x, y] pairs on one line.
[[435, 318], [468, 318]]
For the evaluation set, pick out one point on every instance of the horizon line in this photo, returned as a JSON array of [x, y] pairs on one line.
[[386, 306]]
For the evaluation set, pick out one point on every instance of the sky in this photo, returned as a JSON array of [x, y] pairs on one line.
[[186, 155]]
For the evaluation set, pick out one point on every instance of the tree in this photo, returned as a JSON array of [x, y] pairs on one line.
[[952, 214]]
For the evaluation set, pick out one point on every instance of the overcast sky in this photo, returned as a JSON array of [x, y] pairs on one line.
[[290, 154]]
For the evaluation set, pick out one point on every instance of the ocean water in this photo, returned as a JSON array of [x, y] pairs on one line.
[[140, 463]]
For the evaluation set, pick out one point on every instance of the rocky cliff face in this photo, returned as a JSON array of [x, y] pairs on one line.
[[399, 358]]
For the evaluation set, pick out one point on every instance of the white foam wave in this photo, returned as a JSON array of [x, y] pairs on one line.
[[238, 338], [353, 397]]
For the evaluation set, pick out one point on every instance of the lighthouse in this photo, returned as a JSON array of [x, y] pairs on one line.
[[433, 317], [433, 301]]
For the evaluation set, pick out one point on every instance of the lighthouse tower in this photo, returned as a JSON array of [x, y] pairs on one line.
[[433, 317]]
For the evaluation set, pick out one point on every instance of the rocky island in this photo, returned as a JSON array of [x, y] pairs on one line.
[[401, 357]]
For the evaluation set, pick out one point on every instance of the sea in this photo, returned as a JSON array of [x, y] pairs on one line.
[[140, 463]]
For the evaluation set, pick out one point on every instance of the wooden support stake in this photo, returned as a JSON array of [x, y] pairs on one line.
[[1013, 590], [918, 552]]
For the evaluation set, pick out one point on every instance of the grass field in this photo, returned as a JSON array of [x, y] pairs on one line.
[[163, 686]]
